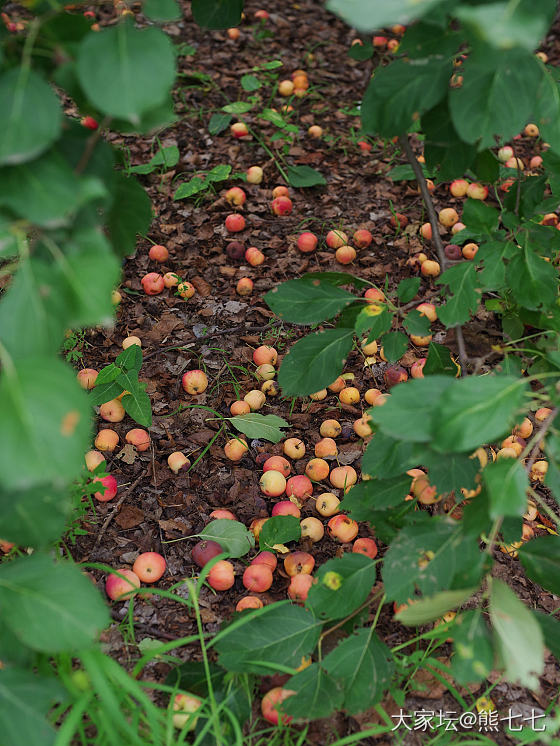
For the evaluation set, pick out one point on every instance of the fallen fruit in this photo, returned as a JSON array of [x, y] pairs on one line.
[[235, 449], [317, 469], [235, 223], [222, 576], [281, 206], [244, 286], [326, 448], [149, 566], [307, 242], [249, 602], [448, 217], [106, 440], [254, 256], [365, 546], [239, 129], [138, 438], [266, 558], [194, 382], [272, 483], [312, 528], [336, 239], [112, 411], [286, 507], [158, 253], [177, 461], [236, 196], [184, 705], [257, 578], [277, 463], [110, 484], [294, 448], [87, 377], [129, 341], [327, 504], [255, 399], [270, 703], [343, 477], [152, 283], [93, 459], [342, 528], [345, 254], [300, 487], [118, 588], [362, 238], [254, 175], [297, 563], [222, 513], [330, 428], [204, 551]]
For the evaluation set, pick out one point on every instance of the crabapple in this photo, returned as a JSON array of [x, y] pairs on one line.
[[343, 528], [170, 279], [362, 426], [297, 563], [244, 286], [222, 576], [362, 238], [86, 378], [452, 251], [345, 254], [106, 440], [343, 477], [265, 372], [152, 283], [477, 191], [371, 395], [239, 130], [379, 41], [194, 382], [299, 586], [149, 566], [365, 146], [395, 374], [317, 469], [277, 463], [257, 578], [398, 220], [531, 130], [223, 514], [280, 191], [249, 602], [239, 407], [543, 414], [326, 448], [118, 588], [235, 223], [254, 175], [286, 507], [469, 250], [234, 34], [312, 528], [285, 87], [330, 428], [265, 354], [319, 395], [516, 163], [365, 546], [93, 459], [448, 217], [255, 399], [116, 297], [538, 471], [186, 290], [158, 253], [265, 558], [5, 546], [112, 411], [129, 341], [177, 461], [138, 438], [535, 162], [204, 551], [235, 250], [236, 196], [272, 483], [336, 239], [110, 484], [89, 122], [294, 448], [458, 227], [374, 295], [257, 526], [417, 368], [349, 395], [300, 487], [337, 385], [254, 256], [426, 231], [307, 242], [430, 268], [458, 188], [428, 310], [525, 429], [327, 504], [235, 449], [281, 206], [505, 153], [315, 130], [270, 702]]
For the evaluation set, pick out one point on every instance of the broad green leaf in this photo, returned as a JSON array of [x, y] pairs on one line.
[[271, 115], [551, 631], [126, 71], [473, 656], [451, 472], [404, 172], [533, 282], [463, 295], [279, 633], [374, 319], [53, 606], [477, 410], [431, 607], [316, 692], [219, 173], [108, 374], [156, 118], [104, 393], [337, 278], [429, 37], [400, 91], [507, 484], [25, 701], [541, 559], [342, 585], [30, 116], [191, 677], [307, 300], [416, 323], [130, 359], [161, 10], [34, 517], [490, 256], [255, 425], [503, 26], [43, 438], [137, 404], [360, 663], [218, 123], [166, 157], [369, 15], [443, 147], [315, 361], [361, 52], [408, 288], [304, 176], [479, 217], [8, 237], [130, 214], [217, 14], [389, 457], [518, 636], [250, 83], [496, 97], [279, 530], [189, 188], [547, 110], [439, 361], [233, 536], [394, 344], [419, 395], [371, 495], [237, 107]]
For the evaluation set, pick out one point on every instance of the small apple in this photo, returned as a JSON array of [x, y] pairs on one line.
[[184, 705], [138, 438], [349, 395], [379, 42], [362, 426], [535, 162], [430, 268], [278, 463], [280, 191], [365, 146], [265, 558], [281, 206], [428, 310], [294, 448], [371, 395], [417, 368], [110, 484], [299, 587], [345, 254], [327, 504], [420, 341], [469, 250], [265, 372], [235, 449], [255, 399], [256, 527], [458, 188], [257, 578], [542, 414], [398, 220], [118, 588], [194, 382], [516, 163], [343, 477], [254, 256], [158, 253], [330, 428], [286, 507], [365, 546], [307, 242], [171, 280], [236, 196], [149, 566], [6, 546], [235, 223], [244, 286], [477, 191], [116, 297], [374, 295], [87, 377], [336, 239], [223, 514], [531, 130], [234, 34], [270, 388], [458, 227], [93, 459], [342, 528], [393, 46], [426, 231], [235, 250], [532, 511], [272, 483], [185, 290], [319, 395], [312, 528], [152, 283], [299, 487], [254, 175], [538, 471], [448, 217], [249, 602], [326, 448], [132, 340], [239, 130], [452, 251], [239, 407], [394, 375], [112, 411], [204, 551], [265, 354], [525, 429], [222, 576], [297, 563], [362, 238], [106, 440], [315, 131], [317, 469], [505, 153], [285, 88], [89, 122], [337, 385], [270, 704], [177, 461]]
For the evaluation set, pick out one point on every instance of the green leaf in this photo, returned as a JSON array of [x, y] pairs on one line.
[[473, 656], [551, 631], [43, 438], [53, 606], [279, 633], [191, 677], [316, 692], [477, 410], [387, 457], [137, 404], [25, 701], [518, 636], [250, 83], [533, 282], [369, 15], [130, 214], [108, 374], [8, 238], [420, 395], [507, 484], [360, 663], [432, 607], [478, 217], [167, 157], [547, 111], [130, 359], [279, 530], [255, 425], [315, 361], [361, 52], [541, 559], [439, 361], [405, 172], [463, 296], [219, 173], [407, 289], [189, 188], [217, 14], [337, 278], [104, 393], [161, 10], [394, 344], [237, 107], [30, 116], [372, 322], [307, 301], [218, 123], [416, 323], [34, 517], [270, 115], [503, 26], [497, 95], [443, 147], [354, 576], [370, 495], [233, 536], [400, 91], [304, 176], [126, 71], [452, 472]]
